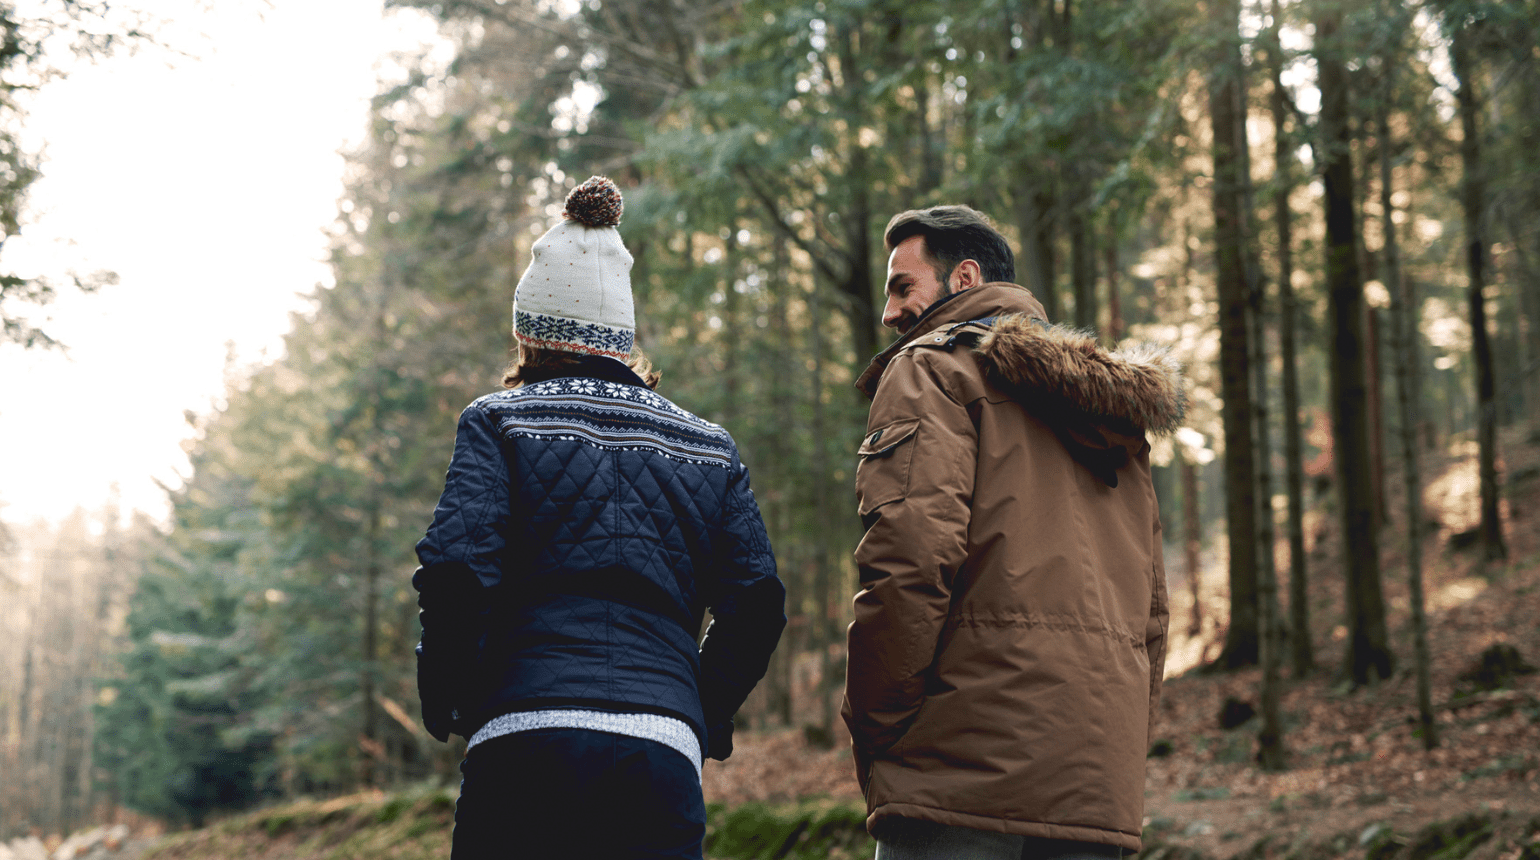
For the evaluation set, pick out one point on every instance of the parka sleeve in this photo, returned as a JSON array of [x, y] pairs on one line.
[[748, 613], [461, 554], [915, 485], [1155, 631]]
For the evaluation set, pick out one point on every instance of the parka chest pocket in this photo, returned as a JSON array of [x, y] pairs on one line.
[[882, 476]]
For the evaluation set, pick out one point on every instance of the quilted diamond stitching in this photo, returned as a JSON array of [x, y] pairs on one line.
[[583, 504]]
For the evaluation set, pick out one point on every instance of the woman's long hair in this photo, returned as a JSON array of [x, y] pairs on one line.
[[536, 364]]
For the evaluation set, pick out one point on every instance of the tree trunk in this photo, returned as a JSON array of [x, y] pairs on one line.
[[1034, 199], [370, 743], [1368, 654], [1294, 471], [856, 289], [1192, 542], [732, 329], [930, 150], [1401, 305], [1271, 753], [1376, 409], [820, 635], [1473, 201], [1115, 325], [777, 505], [1082, 248], [1529, 299], [1035, 224], [1241, 641]]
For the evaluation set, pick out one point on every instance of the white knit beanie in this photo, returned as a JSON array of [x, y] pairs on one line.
[[576, 294]]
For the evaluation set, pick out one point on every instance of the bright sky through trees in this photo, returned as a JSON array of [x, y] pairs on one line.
[[205, 174]]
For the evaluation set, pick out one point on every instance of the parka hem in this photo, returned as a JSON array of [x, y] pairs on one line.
[[1036, 829]]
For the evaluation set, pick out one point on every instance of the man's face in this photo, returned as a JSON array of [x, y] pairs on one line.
[[912, 285]]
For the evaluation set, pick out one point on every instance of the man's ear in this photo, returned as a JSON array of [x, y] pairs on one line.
[[966, 275]]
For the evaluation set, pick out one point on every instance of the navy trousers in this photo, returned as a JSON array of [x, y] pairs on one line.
[[575, 793]]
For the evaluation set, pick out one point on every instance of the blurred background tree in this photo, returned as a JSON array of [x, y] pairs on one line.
[[83, 28]]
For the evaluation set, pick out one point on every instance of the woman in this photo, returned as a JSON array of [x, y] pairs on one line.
[[586, 525]]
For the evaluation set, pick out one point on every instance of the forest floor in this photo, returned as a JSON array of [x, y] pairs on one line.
[[1359, 783]]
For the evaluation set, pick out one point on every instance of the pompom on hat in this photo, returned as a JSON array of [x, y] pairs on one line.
[[576, 294]]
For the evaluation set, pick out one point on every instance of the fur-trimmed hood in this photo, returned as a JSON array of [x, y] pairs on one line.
[[1137, 386], [1100, 403], [1057, 371]]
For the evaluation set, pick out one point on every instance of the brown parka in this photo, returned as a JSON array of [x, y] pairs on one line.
[[1010, 631]]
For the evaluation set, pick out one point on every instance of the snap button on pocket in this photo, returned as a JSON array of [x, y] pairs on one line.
[[882, 476], [884, 440]]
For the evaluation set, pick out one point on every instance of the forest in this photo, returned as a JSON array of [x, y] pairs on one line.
[[1329, 209]]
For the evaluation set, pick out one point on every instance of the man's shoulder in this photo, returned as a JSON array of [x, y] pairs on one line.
[[941, 361], [956, 338]]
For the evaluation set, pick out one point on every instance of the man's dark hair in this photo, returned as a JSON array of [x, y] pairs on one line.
[[953, 234]]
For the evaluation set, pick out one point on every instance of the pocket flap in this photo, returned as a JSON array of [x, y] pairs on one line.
[[881, 442]]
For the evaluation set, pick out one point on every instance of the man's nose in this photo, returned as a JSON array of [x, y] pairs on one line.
[[891, 314]]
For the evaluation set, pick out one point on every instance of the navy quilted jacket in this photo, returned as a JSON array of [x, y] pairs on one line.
[[586, 525]]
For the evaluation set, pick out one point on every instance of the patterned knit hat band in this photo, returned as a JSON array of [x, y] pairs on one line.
[[576, 294], [551, 332]]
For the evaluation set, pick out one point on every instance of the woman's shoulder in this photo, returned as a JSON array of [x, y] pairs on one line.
[[608, 413]]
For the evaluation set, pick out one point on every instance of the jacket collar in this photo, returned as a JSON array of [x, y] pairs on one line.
[[600, 367], [987, 300]]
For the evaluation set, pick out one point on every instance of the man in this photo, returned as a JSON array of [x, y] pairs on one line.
[[1009, 637]]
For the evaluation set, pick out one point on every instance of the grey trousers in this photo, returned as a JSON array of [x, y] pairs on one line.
[[909, 839]]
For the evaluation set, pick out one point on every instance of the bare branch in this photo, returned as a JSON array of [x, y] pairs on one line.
[[771, 209]]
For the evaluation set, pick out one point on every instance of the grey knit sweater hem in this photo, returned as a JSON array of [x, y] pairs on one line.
[[672, 733]]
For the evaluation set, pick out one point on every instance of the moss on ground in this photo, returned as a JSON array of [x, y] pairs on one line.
[[808, 830], [415, 824]]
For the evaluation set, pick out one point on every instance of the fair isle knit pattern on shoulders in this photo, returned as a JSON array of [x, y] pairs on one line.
[[609, 415]]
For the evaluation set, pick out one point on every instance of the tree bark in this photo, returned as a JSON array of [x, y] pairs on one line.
[[1368, 656], [1303, 656], [1401, 305], [368, 771], [1529, 300], [1115, 324], [1271, 753], [1241, 640], [1473, 201], [856, 288], [1035, 224], [1192, 542], [1376, 406], [1082, 248], [1035, 207], [732, 329], [820, 634], [781, 689]]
